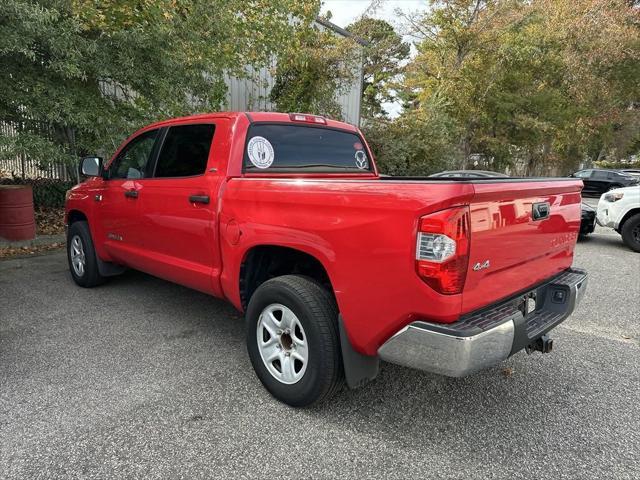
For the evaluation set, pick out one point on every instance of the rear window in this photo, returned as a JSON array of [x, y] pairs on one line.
[[297, 148]]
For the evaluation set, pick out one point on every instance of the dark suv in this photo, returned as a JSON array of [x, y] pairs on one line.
[[598, 181]]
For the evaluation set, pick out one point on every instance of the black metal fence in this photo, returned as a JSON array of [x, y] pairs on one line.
[[27, 168]]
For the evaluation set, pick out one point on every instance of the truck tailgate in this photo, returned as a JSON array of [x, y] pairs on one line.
[[510, 249]]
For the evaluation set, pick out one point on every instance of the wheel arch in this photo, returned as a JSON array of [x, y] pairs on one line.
[[76, 215], [264, 261], [105, 266], [631, 213]]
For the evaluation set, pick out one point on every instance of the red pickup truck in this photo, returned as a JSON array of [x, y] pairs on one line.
[[336, 267]]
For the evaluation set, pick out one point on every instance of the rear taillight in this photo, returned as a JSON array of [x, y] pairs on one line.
[[442, 250]]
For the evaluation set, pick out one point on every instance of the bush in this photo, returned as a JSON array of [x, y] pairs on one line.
[[410, 145], [617, 164], [47, 192]]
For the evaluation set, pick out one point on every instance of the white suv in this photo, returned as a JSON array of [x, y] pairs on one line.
[[620, 209]]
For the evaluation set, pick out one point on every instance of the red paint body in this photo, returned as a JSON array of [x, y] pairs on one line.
[[361, 228]]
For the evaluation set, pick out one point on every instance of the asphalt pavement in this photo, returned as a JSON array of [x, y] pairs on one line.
[[141, 378]]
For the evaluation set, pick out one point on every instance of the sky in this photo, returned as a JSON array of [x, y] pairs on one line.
[[346, 11], [343, 12]]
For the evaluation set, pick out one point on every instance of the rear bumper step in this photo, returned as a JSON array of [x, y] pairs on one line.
[[484, 338]]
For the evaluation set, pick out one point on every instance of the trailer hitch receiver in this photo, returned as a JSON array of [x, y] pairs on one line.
[[543, 344]]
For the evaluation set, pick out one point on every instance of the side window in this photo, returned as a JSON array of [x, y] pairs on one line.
[[185, 151], [132, 160], [583, 173], [600, 174]]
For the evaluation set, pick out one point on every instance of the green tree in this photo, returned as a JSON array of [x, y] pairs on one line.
[[78, 75], [539, 84], [314, 67], [383, 56], [419, 142]]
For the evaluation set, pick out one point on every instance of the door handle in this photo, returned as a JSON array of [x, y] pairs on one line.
[[131, 193], [541, 210], [199, 199]]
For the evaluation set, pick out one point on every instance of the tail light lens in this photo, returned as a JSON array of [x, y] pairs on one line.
[[442, 250]]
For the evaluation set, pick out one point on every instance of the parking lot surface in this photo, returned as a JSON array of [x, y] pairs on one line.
[[143, 378]]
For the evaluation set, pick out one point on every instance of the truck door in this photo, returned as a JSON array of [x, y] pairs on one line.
[[178, 208], [118, 223]]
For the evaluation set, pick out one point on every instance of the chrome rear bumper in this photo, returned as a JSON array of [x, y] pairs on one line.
[[487, 337]]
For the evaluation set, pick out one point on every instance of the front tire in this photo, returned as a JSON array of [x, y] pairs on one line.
[[81, 255], [631, 232], [293, 340]]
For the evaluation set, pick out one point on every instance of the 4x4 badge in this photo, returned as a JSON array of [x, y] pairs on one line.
[[481, 266]]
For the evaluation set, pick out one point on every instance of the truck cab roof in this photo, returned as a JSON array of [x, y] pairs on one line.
[[276, 117]]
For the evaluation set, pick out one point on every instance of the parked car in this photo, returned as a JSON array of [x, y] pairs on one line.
[[469, 174], [286, 217], [620, 209], [587, 219], [598, 181]]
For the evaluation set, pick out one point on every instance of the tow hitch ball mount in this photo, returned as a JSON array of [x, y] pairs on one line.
[[543, 344]]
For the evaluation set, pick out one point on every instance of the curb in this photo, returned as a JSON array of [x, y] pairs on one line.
[[40, 240]]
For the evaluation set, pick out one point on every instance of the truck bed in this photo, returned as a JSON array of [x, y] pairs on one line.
[[364, 233]]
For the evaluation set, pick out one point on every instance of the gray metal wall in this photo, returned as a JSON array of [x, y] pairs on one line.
[[252, 93]]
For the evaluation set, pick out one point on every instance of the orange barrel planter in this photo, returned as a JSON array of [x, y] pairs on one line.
[[17, 220]]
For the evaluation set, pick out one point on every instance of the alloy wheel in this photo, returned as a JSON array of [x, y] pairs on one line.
[[77, 255], [282, 343]]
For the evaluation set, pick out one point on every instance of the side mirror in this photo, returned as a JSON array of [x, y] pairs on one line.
[[91, 166]]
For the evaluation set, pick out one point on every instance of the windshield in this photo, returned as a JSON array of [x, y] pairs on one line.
[[298, 148]]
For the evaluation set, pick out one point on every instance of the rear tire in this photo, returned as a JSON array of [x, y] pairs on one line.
[[293, 320], [81, 255], [631, 232]]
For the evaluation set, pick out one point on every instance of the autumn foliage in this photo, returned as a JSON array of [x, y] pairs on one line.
[[536, 87]]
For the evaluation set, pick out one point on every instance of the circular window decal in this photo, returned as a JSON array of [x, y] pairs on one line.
[[260, 152], [361, 160]]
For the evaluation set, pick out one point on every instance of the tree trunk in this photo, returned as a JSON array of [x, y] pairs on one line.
[[531, 164], [465, 149]]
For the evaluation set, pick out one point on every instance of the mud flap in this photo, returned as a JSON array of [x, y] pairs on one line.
[[108, 269], [358, 369]]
